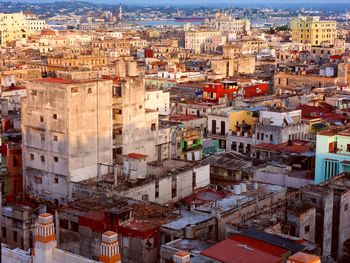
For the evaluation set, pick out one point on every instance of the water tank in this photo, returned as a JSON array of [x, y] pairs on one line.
[[132, 69], [190, 232], [243, 187], [120, 69], [255, 186], [237, 189]]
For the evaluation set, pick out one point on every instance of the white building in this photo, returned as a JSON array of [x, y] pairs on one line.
[[158, 100], [231, 25], [175, 179], [195, 40]]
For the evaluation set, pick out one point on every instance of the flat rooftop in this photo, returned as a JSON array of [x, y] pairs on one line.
[[233, 201]]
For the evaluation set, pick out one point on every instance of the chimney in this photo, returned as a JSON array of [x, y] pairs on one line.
[[181, 257], [45, 238], [110, 248], [192, 206]]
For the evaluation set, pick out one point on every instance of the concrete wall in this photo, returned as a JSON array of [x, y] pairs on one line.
[[67, 131], [280, 178]]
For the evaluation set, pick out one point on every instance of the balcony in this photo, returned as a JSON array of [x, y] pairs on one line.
[[118, 141], [117, 120], [218, 135]]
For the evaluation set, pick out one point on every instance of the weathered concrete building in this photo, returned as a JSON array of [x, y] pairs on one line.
[[279, 126], [67, 134], [162, 183], [135, 127], [331, 200]]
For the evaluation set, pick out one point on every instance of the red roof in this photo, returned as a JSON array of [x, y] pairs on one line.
[[297, 146], [12, 88], [313, 111], [244, 250], [204, 196], [48, 32], [137, 156], [181, 118], [336, 57]]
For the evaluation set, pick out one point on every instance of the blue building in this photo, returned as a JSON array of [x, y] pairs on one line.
[[332, 153]]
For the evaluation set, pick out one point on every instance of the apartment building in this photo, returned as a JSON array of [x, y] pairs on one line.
[[15, 26], [332, 153], [196, 40], [135, 126], [229, 24], [67, 132], [313, 30], [279, 126]]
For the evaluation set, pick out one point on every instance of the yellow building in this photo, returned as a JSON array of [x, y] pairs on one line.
[[15, 26], [12, 27], [313, 30], [243, 121]]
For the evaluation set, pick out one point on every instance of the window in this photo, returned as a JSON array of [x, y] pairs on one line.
[[55, 138], [156, 195], [346, 207], [125, 241], [153, 127], [31, 156], [89, 90], [41, 119], [42, 136], [74, 90], [15, 236], [55, 158], [34, 92], [271, 137], [173, 187], [348, 147], [74, 226], [4, 234], [14, 160], [56, 180], [63, 223], [307, 229], [140, 107], [258, 136], [194, 183], [54, 116], [42, 158]]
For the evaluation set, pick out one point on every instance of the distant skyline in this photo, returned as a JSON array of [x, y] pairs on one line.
[[198, 2]]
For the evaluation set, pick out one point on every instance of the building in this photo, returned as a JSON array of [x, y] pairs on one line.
[[46, 250], [332, 153], [196, 40], [18, 223], [227, 24], [331, 200], [245, 47], [161, 183], [15, 26], [81, 225], [313, 30], [136, 127], [209, 220], [67, 133], [279, 126]]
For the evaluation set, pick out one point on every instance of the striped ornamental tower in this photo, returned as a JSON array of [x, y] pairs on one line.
[[45, 239], [110, 248]]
